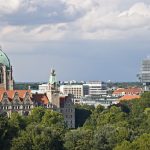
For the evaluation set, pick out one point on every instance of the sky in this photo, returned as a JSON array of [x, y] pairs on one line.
[[81, 39]]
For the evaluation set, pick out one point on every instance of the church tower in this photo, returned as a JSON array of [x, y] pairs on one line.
[[6, 78], [53, 90]]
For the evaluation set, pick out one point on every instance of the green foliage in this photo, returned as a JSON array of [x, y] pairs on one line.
[[37, 114], [108, 136], [25, 86], [122, 127], [52, 118], [141, 143], [82, 112], [38, 138], [114, 115], [125, 145], [80, 139]]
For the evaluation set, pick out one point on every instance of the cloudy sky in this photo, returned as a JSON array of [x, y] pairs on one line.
[[82, 39]]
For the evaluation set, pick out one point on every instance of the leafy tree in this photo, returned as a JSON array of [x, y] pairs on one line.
[[91, 122], [82, 112], [38, 138], [107, 137], [80, 139], [141, 143], [52, 118], [3, 132], [17, 121], [37, 114], [125, 145]]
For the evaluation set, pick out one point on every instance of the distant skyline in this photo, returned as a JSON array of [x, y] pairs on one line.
[[83, 40]]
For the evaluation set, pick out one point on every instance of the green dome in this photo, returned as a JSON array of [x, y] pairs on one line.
[[4, 59]]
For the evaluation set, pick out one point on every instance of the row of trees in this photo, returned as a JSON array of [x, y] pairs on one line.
[[125, 126], [43, 129]]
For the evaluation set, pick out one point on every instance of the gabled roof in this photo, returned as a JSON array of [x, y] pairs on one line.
[[42, 98], [11, 94]]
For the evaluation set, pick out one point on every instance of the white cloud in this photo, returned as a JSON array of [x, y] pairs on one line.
[[114, 24], [77, 19], [37, 34], [9, 6]]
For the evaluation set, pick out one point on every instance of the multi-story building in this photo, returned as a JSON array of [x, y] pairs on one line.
[[145, 74], [80, 90], [128, 91], [43, 88], [75, 89], [98, 100], [15, 101], [67, 109], [96, 88]]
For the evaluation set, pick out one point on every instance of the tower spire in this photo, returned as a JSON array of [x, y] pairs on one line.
[[52, 79]]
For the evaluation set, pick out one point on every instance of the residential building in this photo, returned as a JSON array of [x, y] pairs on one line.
[[67, 109]]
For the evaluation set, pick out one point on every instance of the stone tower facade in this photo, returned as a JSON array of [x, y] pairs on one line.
[[53, 90], [6, 78]]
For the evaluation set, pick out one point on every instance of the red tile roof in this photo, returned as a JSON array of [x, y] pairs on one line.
[[41, 98], [132, 91], [11, 93], [129, 97]]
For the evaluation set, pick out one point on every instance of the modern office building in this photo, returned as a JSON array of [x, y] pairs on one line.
[[145, 74], [96, 88], [75, 89]]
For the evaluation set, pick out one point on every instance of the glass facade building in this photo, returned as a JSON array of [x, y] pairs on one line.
[[145, 74]]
